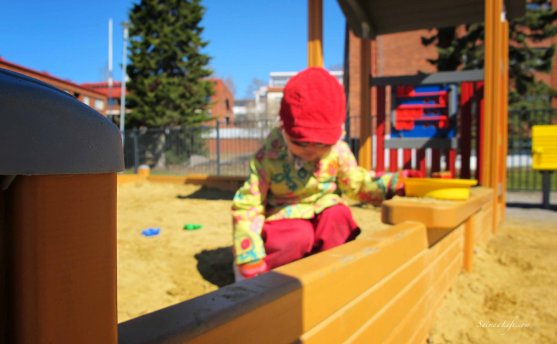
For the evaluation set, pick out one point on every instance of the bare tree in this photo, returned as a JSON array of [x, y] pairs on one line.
[[254, 85]]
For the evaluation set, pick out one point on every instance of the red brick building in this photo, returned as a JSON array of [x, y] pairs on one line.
[[221, 101], [112, 95], [94, 98]]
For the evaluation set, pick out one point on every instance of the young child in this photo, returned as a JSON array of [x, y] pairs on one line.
[[291, 204]]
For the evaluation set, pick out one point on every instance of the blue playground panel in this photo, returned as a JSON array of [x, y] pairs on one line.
[[422, 112]]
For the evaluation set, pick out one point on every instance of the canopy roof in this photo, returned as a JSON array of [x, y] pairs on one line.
[[368, 18]]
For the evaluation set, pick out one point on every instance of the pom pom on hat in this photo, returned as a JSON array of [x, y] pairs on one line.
[[313, 107]]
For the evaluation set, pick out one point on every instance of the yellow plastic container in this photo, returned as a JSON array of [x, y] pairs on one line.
[[544, 147], [449, 189]]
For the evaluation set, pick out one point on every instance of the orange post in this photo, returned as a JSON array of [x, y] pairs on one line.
[[487, 123], [62, 259], [315, 33], [496, 105], [364, 152], [504, 115]]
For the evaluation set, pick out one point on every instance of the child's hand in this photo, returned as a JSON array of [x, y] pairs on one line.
[[411, 174], [253, 269]]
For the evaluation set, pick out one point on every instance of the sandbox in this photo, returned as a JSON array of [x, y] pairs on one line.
[[507, 296]]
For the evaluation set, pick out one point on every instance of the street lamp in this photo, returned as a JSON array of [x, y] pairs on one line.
[[125, 26]]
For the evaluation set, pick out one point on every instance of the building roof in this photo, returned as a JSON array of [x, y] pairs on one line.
[[369, 18], [45, 75], [112, 92], [116, 90]]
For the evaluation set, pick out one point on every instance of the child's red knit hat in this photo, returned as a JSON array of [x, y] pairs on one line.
[[313, 107]]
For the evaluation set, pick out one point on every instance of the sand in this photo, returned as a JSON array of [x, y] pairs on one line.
[[511, 294], [509, 297]]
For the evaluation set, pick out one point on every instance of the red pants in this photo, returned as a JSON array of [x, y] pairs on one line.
[[291, 239]]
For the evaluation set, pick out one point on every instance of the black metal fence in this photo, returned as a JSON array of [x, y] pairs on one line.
[[219, 149], [520, 175], [215, 149]]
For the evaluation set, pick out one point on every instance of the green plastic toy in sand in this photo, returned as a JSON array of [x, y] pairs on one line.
[[192, 226]]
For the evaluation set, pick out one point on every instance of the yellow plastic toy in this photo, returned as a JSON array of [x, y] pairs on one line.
[[448, 189]]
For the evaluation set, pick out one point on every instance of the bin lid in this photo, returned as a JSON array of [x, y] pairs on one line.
[[44, 130]]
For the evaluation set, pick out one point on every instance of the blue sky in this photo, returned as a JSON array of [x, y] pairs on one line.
[[248, 39]]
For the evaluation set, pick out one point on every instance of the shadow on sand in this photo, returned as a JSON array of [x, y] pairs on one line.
[[208, 194], [530, 206], [215, 265]]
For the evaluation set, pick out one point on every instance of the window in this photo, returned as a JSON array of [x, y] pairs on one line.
[[227, 104], [99, 104], [86, 100], [113, 101]]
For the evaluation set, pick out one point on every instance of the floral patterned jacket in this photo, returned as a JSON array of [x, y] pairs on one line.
[[280, 186]]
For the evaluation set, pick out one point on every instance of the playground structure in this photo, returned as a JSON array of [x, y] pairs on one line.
[[58, 224]]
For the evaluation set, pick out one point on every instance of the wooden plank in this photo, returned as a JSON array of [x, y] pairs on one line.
[[281, 305], [264, 307], [348, 319], [226, 183], [484, 223], [469, 240], [378, 328], [361, 266], [419, 319], [180, 180], [423, 328], [435, 214], [129, 178]]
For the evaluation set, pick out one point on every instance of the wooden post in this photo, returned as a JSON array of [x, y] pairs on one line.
[[315, 33], [62, 259], [487, 120], [364, 152], [57, 217], [496, 105], [504, 115]]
